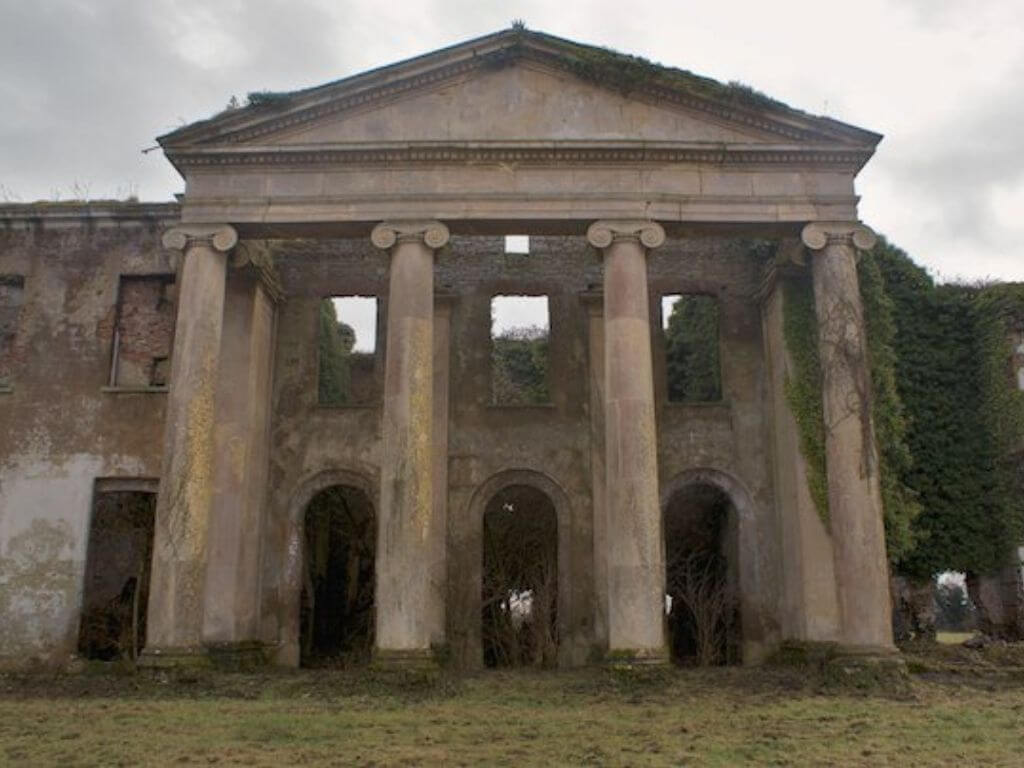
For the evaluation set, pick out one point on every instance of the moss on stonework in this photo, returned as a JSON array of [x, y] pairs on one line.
[[803, 386]]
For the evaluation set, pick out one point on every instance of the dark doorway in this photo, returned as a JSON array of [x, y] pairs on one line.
[[700, 577], [520, 579], [336, 614], [116, 591]]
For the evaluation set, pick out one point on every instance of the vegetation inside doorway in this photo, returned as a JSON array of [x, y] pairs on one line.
[[337, 605], [700, 577], [520, 579]]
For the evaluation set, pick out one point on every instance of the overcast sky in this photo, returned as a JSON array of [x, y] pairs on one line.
[[85, 86]]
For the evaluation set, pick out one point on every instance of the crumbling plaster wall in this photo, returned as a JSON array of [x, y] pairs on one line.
[[60, 429], [551, 442]]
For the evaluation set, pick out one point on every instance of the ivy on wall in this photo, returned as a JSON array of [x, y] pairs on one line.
[[949, 423], [803, 385], [899, 501], [963, 420]]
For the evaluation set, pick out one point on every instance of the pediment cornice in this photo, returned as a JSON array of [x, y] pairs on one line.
[[280, 113], [521, 153]]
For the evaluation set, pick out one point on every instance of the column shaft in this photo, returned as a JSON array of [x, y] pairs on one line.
[[635, 555], [407, 614], [175, 612], [855, 502], [241, 438]]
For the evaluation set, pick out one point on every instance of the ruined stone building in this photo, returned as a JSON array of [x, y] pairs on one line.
[[169, 451]]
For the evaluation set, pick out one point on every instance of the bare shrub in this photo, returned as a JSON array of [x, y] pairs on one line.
[[520, 580], [703, 606]]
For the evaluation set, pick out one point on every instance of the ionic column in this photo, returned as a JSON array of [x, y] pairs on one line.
[[636, 551], [175, 612], [406, 604], [854, 497]]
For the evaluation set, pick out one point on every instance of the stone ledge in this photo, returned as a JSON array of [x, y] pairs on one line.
[[173, 658], [636, 657], [135, 390]]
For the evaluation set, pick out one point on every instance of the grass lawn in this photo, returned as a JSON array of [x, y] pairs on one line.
[[724, 717]]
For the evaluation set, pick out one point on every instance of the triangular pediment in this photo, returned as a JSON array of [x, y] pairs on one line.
[[517, 87]]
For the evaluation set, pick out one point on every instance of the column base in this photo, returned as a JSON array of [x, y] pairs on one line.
[[238, 656], [186, 657], [866, 667], [636, 657]]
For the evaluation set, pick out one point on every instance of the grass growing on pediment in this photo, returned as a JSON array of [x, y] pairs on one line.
[[629, 73], [268, 98]]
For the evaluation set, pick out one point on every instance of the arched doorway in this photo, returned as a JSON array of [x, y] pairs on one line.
[[701, 576], [336, 614], [519, 598]]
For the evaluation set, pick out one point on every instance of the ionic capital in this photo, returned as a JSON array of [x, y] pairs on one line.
[[220, 237], [256, 256], [601, 234], [818, 234], [433, 233]]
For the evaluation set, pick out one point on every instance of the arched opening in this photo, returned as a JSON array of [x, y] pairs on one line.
[[519, 600], [701, 600], [336, 613]]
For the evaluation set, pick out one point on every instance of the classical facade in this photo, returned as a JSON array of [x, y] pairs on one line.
[[173, 349]]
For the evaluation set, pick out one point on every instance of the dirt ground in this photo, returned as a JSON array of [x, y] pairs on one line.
[[956, 707]]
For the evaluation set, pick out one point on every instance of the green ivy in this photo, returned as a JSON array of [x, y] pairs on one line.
[[899, 501], [803, 387], [335, 341], [963, 419], [691, 350]]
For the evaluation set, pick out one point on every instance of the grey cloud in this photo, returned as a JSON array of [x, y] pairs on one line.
[[955, 165]]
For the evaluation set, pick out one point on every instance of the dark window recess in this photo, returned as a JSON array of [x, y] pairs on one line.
[[144, 331], [11, 298], [519, 350], [691, 327], [117, 575], [347, 341]]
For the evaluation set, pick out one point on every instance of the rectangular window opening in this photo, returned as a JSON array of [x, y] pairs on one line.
[[520, 330], [347, 338], [143, 331], [517, 244], [11, 298], [690, 322]]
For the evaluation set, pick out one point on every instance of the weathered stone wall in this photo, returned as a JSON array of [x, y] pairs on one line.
[[65, 428], [60, 428], [547, 445]]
